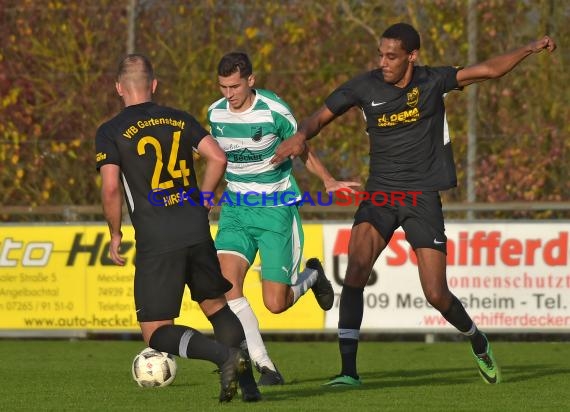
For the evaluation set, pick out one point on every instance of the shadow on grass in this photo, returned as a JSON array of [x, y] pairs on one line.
[[526, 372], [412, 378]]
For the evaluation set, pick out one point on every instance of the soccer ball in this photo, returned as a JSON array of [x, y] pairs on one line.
[[152, 368]]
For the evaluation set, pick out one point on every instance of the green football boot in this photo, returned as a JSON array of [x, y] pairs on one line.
[[343, 380], [487, 365]]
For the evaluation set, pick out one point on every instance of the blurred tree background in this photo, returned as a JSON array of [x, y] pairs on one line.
[[58, 61]]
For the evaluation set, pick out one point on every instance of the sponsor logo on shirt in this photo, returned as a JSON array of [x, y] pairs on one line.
[[406, 116], [244, 156]]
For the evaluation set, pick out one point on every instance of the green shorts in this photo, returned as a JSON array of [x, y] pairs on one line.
[[275, 232]]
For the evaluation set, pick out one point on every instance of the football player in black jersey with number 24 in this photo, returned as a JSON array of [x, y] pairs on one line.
[[147, 149]]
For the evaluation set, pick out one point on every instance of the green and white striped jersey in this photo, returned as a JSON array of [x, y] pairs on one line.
[[249, 139]]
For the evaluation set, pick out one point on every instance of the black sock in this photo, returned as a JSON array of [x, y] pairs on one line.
[[227, 327], [351, 310], [478, 343], [188, 343], [229, 331], [458, 317]]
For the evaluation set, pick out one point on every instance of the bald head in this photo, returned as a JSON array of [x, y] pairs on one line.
[[135, 79]]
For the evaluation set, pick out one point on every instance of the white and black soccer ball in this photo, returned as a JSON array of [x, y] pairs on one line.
[[152, 368]]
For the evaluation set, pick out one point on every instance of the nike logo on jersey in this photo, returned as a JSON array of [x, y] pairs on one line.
[[437, 242], [374, 104]]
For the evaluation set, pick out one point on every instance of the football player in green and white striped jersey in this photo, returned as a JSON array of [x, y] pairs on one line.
[[259, 207]]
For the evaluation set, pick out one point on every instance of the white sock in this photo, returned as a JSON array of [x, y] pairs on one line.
[[305, 280], [255, 345]]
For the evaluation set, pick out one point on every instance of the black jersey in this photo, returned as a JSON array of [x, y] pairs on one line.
[[410, 148], [153, 145]]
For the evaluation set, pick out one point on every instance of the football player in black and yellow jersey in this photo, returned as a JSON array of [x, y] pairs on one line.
[[146, 152], [410, 149]]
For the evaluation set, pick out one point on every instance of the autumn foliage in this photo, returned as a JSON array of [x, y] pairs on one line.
[[58, 62]]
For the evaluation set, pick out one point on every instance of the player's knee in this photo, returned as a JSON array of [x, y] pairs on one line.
[[357, 273], [276, 304], [438, 297]]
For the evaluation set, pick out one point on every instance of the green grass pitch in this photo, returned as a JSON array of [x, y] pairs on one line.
[[61, 375]]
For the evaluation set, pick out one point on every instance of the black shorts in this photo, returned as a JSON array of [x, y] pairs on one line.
[[160, 280], [422, 222]]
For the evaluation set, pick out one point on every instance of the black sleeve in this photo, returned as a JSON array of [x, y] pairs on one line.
[[106, 148], [197, 132], [448, 76], [343, 98]]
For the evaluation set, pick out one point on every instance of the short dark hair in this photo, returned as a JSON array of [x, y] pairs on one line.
[[136, 63], [235, 62], [406, 33]]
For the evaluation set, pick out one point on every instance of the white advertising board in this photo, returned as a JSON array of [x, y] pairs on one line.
[[509, 276]]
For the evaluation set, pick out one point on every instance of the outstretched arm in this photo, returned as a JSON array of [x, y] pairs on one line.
[[315, 166], [112, 201], [311, 126], [498, 66]]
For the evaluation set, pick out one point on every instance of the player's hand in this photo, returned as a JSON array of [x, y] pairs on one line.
[[114, 249], [334, 185], [546, 43], [214, 210], [289, 149]]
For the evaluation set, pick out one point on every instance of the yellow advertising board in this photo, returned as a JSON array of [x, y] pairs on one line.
[[60, 278]]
